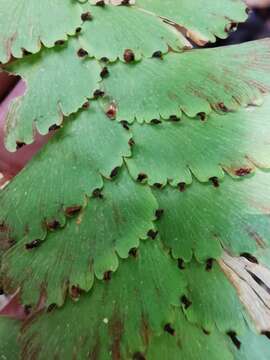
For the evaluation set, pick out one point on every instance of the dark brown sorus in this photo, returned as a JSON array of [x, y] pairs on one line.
[[169, 329], [182, 186], [174, 118], [100, 3], [141, 177], [131, 143], [107, 276], [97, 193], [209, 264], [33, 244], [111, 112], [133, 252], [104, 72], [235, 340], [20, 144], [129, 56], [215, 181], [86, 105], [152, 234], [73, 210], [186, 302], [115, 172], [59, 42], [87, 16], [181, 264], [98, 93], [54, 127], [155, 121], [125, 124], [159, 213], [138, 356], [53, 225], [243, 171], [157, 54], [82, 53]]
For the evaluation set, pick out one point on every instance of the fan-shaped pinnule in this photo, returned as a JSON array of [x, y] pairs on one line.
[[52, 93], [131, 289], [235, 142], [27, 25], [194, 82], [71, 166], [207, 218], [156, 173], [111, 224]]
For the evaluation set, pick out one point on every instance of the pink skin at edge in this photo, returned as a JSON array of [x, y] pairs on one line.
[[10, 165]]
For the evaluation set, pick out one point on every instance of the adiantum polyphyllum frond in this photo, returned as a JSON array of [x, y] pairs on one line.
[[141, 228]]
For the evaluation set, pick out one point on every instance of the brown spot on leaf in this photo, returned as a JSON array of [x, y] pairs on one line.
[[214, 181], [138, 356], [186, 302], [202, 116], [51, 307], [141, 177], [243, 171], [221, 106], [209, 264], [181, 186], [152, 234], [87, 16], [75, 292], [20, 144], [174, 118], [111, 112], [131, 143], [133, 252], [114, 172], [98, 93], [100, 3], [73, 210], [104, 72], [157, 54], [116, 330], [26, 52], [155, 122], [54, 127], [107, 276], [169, 329], [97, 194], [82, 53], [181, 264], [129, 56], [53, 225], [145, 331], [33, 244], [125, 124], [159, 213], [86, 105], [59, 42], [234, 339]]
